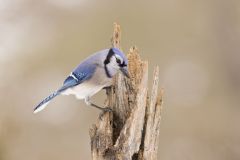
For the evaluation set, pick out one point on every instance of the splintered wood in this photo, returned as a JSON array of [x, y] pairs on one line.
[[131, 131]]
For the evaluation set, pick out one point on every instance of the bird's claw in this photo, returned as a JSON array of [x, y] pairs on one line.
[[105, 110]]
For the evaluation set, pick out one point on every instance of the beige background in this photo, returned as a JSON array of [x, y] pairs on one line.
[[195, 43]]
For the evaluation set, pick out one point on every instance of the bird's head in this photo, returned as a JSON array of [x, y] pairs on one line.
[[116, 60]]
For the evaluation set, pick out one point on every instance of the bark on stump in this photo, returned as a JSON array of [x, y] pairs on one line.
[[131, 132]]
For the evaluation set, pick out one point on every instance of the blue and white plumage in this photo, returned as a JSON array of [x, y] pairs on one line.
[[90, 76]]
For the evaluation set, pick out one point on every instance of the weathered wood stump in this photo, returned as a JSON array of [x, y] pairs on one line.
[[131, 131]]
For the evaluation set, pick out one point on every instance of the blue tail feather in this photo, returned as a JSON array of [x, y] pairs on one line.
[[68, 83], [44, 103]]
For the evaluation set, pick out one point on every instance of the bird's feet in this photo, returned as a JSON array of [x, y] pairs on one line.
[[107, 109], [104, 111]]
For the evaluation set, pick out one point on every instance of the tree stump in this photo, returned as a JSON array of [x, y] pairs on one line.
[[131, 131]]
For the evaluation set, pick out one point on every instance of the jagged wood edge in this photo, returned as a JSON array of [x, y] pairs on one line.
[[149, 147]]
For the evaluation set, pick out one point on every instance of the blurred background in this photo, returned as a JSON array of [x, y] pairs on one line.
[[195, 43]]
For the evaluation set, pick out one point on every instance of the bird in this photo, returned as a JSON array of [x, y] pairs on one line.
[[93, 74]]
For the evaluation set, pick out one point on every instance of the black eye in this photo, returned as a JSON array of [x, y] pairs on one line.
[[118, 61], [123, 65]]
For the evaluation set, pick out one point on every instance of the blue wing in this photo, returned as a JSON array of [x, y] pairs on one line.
[[82, 73]]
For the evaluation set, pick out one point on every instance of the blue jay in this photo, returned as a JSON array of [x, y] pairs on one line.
[[90, 76]]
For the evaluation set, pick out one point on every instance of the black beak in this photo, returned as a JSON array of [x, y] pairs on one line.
[[125, 72]]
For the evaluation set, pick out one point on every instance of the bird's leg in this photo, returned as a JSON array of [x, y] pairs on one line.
[[104, 109]]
